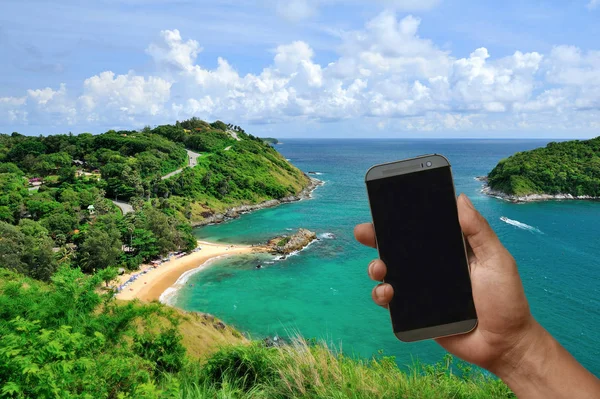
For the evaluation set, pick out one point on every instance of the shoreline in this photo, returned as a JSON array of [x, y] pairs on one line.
[[153, 282], [487, 190], [236, 211]]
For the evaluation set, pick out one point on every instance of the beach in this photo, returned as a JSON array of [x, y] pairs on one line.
[[152, 281]]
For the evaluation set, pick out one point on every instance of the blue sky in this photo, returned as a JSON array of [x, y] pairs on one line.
[[316, 68]]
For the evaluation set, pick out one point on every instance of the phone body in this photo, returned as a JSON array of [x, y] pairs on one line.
[[415, 215]]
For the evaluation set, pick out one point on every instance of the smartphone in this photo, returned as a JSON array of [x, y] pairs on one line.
[[413, 205]]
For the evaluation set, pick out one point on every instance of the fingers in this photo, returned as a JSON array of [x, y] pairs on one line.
[[365, 234], [383, 294], [377, 270], [481, 238]]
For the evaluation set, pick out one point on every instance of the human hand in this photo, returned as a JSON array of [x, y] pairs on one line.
[[507, 340], [505, 322]]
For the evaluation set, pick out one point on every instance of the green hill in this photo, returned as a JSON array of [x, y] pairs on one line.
[[67, 340], [570, 167], [70, 219]]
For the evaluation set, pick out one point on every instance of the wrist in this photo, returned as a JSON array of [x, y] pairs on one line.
[[527, 364]]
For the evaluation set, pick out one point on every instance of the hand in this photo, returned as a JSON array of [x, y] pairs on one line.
[[507, 340], [502, 308]]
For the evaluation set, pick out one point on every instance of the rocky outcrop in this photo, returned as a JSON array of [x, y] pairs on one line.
[[236, 211], [285, 245], [533, 197]]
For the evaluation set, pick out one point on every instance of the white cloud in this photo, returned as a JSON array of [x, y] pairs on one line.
[[593, 4], [173, 51], [126, 95], [385, 71]]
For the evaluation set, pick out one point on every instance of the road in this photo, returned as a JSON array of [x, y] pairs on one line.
[[125, 207], [234, 135], [192, 161]]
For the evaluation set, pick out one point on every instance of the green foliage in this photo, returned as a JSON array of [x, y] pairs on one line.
[[165, 351], [101, 245], [80, 173], [314, 371], [209, 141], [67, 341], [571, 167], [283, 241], [27, 249]]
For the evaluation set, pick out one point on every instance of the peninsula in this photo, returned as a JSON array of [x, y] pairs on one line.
[[559, 171], [126, 198]]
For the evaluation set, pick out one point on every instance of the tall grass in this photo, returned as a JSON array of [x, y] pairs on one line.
[[301, 370]]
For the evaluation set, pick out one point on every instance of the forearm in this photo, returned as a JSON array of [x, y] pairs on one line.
[[542, 368]]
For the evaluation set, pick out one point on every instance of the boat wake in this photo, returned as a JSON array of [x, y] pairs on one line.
[[520, 225]]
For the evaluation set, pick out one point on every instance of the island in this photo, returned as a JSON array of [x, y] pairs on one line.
[[560, 171]]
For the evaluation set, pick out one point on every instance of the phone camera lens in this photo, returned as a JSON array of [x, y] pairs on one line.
[[428, 164]]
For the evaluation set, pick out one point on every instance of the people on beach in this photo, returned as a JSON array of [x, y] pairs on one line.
[[508, 341]]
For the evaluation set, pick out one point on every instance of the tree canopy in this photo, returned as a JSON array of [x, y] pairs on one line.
[[570, 167]]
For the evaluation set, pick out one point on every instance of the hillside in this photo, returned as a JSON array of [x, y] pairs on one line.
[[569, 169], [65, 339], [59, 194]]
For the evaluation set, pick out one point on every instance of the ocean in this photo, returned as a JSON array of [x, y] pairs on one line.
[[323, 292]]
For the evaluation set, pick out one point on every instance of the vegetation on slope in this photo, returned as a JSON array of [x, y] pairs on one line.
[[71, 220], [571, 167], [66, 340]]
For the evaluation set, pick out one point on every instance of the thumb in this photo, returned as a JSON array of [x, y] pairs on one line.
[[478, 233]]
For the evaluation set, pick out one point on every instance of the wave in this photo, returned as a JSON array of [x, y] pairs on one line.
[[326, 236], [294, 253], [168, 297], [520, 225]]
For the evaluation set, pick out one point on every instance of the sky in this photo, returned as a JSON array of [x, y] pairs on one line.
[[304, 68]]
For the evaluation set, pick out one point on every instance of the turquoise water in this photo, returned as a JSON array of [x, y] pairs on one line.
[[324, 291]]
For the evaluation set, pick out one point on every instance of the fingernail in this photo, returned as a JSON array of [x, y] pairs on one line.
[[380, 292], [468, 201], [371, 267]]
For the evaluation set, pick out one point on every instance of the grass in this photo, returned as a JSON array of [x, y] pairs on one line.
[[302, 370]]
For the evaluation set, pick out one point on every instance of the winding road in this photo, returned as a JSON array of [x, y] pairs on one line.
[[192, 161]]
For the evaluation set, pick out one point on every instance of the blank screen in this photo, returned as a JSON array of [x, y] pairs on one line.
[[420, 241]]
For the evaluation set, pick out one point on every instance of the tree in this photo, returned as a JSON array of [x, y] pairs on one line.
[[60, 223], [101, 247], [27, 249]]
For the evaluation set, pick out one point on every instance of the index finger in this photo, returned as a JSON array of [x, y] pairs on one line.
[[365, 234]]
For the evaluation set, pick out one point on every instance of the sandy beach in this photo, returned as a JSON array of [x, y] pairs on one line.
[[151, 285]]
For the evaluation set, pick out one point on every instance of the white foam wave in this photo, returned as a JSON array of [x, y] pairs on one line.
[[521, 225], [168, 296], [327, 236]]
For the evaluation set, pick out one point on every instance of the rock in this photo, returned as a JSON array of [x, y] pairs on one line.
[[219, 325], [275, 342], [287, 244], [232, 213], [533, 197]]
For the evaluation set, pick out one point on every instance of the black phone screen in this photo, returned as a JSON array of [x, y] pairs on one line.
[[420, 240]]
